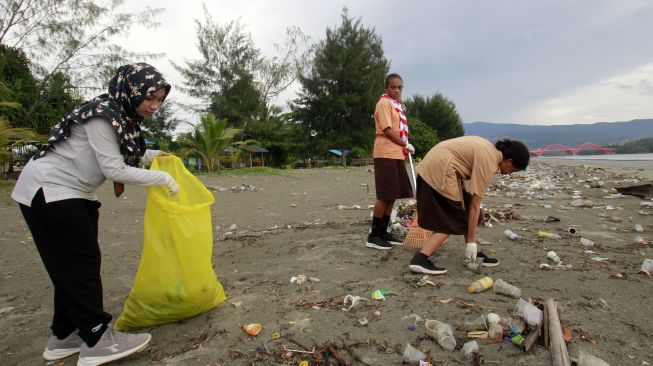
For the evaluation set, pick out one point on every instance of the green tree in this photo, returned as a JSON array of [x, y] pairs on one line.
[[11, 137], [439, 113], [208, 139], [161, 127], [71, 38], [640, 146], [232, 79], [22, 87], [342, 86], [422, 136]]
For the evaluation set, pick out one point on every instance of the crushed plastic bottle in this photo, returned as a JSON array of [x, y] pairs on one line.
[[510, 235]]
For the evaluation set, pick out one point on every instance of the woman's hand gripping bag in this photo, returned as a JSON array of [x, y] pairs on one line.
[[175, 278]]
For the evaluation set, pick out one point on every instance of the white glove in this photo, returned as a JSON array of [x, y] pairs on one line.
[[410, 148], [470, 252], [172, 186]]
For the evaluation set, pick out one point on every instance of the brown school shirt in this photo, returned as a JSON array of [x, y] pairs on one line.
[[386, 116], [462, 158]]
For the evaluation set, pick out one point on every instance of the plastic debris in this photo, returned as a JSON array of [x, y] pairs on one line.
[[412, 354], [510, 235], [379, 294], [299, 279], [352, 301]]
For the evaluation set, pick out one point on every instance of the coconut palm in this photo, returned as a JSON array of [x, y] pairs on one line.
[[208, 139]]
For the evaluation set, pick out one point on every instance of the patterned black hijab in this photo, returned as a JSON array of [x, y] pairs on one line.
[[127, 90]]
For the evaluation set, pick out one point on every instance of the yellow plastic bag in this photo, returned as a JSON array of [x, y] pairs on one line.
[[175, 278]]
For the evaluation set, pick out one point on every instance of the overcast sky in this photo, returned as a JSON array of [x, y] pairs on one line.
[[513, 61]]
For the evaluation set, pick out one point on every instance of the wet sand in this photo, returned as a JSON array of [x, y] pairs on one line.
[[307, 222]]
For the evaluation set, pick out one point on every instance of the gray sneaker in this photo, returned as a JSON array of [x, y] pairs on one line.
[[60, 348], [112, 346]]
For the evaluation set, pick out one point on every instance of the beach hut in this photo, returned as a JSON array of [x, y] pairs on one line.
[[339, 155], [253, 149]]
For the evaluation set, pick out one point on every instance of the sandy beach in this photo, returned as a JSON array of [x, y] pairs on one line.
[[314, 222]]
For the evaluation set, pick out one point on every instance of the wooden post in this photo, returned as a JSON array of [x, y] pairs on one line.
[[559, 354]]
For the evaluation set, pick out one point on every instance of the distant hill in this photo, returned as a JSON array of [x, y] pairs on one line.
[[535, 136]]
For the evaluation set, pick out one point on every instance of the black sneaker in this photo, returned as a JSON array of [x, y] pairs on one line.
[[420, 264], [487, 261], [391, 238], [377, 243]]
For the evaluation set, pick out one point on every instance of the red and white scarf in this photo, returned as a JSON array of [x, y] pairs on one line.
[[403, 122]]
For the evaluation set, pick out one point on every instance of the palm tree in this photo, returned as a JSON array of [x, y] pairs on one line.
[[208, 139], [12, 137]]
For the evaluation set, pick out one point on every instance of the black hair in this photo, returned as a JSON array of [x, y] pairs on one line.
[[515, 150], [390, 77]]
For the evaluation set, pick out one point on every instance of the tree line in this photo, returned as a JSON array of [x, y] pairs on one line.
[[49, 61]]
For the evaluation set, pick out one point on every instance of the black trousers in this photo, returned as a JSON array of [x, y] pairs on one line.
[[66, 236]]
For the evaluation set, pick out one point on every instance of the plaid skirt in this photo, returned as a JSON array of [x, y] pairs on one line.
[[391, 180]]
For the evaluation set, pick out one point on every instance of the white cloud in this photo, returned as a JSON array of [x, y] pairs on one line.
[[626, 94], [498, 61]]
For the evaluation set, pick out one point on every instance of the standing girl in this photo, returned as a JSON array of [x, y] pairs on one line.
[[391, 147]]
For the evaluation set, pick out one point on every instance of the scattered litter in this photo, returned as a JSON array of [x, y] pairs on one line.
[[363, 321], [379, 294], [581, 203], [253, 329], [237, 304], [233, 227], [586, 242], [299, 279], [546, 234], [510, 235], [412, 354], [553, 256], [647, 267], [10, 308], [599, 259], [639, 228], [639, 240], [446, 301], [352, 300]]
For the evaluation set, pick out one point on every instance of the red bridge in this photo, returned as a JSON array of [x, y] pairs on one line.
[[588, 146]]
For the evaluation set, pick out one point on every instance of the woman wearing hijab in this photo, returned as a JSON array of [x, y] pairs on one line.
[[99, 140], [446, 206]]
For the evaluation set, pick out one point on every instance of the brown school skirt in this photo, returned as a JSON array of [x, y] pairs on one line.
[[391, 180], [440, 214]]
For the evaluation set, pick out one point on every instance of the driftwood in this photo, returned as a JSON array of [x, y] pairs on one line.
[[559, 354]]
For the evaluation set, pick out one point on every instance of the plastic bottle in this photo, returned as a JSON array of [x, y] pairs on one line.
[[442, 333], [504, 288], [546, 234], [510, 235], [553, 256], [480, 285]]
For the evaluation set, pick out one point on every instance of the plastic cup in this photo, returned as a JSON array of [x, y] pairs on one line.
[[469, 349], [529, 312], [442, 333], [647, 266], [504, 288], [476, 324], [495, 331]]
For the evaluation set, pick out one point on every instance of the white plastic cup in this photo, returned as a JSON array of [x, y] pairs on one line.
[[647, 266], [441, 332], [476, 324], [529, 312], [469, 349], [504, 288], [495, 331]]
